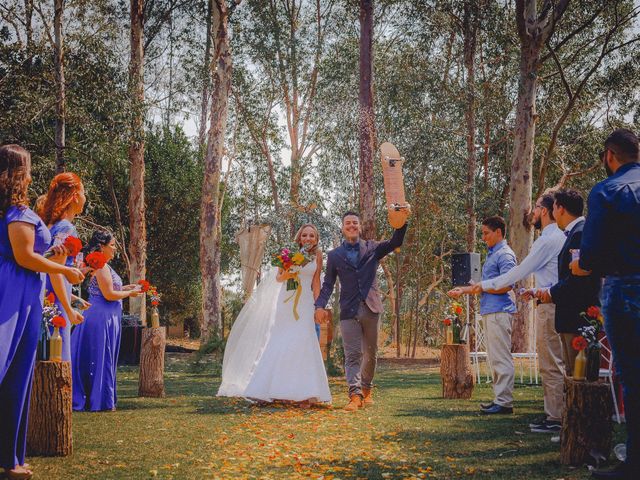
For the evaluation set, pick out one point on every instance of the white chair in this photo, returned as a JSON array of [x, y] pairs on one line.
[[530, 358], [607, 374], [479, 352], [480, 348]]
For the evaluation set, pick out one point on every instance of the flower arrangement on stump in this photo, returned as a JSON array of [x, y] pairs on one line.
[[55, 342], [579, 343], [154, 298], [448, 331], [591, 345], [452, 323], [49, 311]]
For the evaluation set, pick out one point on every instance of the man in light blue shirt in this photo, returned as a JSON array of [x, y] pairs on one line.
[[496, 308], [542, 262]]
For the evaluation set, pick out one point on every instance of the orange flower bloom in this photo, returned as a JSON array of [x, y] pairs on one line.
[[59, 321], [447, 321], [51, 298], [593, 311], [579, 343]]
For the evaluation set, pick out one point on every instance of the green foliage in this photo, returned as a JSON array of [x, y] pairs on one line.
[[172, 187], [420, 82]]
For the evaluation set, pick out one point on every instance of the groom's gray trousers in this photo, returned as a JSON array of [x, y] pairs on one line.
[[360, 343]]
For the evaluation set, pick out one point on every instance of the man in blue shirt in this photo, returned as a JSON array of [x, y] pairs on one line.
[[497, 309], [610, 248], [542, 262]]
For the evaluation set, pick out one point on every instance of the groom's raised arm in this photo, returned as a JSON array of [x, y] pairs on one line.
[[327, 285], [385, 248]]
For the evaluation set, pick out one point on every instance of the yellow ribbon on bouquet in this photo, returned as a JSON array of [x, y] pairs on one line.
[[295, 295]]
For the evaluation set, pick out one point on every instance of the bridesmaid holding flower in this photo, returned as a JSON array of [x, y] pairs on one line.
[[24, 238], [64, 201], [95, 343]]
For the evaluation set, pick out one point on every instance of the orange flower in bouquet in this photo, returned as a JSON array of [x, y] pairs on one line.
[[96, 260]]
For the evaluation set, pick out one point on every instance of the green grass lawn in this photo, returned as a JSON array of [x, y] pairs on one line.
[[410, 433]]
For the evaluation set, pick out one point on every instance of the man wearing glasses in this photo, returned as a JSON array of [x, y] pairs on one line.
[[610, 248]]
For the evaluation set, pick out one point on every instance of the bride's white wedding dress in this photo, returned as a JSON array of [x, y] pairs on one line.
[[269, 354]]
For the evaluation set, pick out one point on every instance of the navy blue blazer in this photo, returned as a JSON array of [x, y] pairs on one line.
[[573, 295], [357, 283]]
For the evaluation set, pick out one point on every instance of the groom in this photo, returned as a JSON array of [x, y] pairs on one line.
[[355, 263]]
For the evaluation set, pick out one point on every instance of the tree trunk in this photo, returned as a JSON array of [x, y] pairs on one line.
[[520, 231], [137, 225], [534, 31], [455, 370], [367, 133], [28, 23], [209, 256], [470, 36], [60, 84], [50, 430], [151, 377], [204, 103], [586, 421]]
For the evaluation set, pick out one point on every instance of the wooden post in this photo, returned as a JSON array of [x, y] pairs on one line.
[[586, 421], [151, 380], [49, 432], [455, 370], [326, 336]]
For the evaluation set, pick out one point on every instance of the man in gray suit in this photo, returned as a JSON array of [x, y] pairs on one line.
[[355, 263]]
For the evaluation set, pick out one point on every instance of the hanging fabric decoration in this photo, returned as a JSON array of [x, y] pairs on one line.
[[252, 241]]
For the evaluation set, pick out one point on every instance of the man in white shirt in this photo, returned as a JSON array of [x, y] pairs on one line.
[[542, 262]]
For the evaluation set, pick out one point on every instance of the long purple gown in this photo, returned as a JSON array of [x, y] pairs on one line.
[[95, 345], [21, 294], [59, 231]]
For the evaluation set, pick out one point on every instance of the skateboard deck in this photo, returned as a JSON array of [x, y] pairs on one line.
[[393, 184]]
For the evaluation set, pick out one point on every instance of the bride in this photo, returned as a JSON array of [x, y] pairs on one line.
[[269, 354]]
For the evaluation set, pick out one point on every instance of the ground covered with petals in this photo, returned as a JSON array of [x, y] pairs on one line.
[[410, 433]]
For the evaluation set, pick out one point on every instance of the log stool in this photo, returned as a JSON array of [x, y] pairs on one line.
[[586, 421], [455, 370], [49, 432], [151, 379]]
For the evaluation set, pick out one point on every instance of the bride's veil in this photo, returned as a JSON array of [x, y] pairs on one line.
[[249, 336]]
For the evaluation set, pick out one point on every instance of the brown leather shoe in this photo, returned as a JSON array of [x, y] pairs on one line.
[[367, 394], [355, 403]]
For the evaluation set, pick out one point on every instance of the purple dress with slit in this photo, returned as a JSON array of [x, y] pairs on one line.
[[21, 294], [95, 345], [59, 232]]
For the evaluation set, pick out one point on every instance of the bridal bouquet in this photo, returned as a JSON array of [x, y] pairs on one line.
[[290, 261], [71, 243]]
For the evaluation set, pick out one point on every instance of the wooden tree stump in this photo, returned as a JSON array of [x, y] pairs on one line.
[[586, 421], [455, 370], [49, 431], [151, 380]]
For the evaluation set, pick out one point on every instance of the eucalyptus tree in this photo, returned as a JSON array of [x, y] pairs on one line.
[[549, 28], [210, 213], [367, 128]]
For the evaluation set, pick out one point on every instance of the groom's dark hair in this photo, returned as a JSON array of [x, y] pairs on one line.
[[349, 214]]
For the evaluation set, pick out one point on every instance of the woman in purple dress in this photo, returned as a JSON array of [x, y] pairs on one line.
[[65, 199], [23, 239], [95, 343]]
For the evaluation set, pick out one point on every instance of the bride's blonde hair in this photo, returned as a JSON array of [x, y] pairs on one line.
[[298, 234]]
